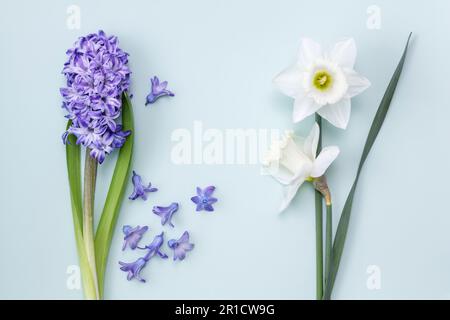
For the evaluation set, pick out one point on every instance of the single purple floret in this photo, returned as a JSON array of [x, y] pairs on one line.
[[204, 199], [140, 190], [180, 246], [166, 213], [154, 247], [96, 74], [133, 236], [134, 268], [158, 90]]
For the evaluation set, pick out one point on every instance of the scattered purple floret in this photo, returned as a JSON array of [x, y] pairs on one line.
[[204, 199], [140, 190], [134, 268], [181, 246], [158, 90], [133, 236], [166, 213]]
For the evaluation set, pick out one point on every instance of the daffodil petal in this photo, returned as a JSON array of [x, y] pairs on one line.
[[304, 107], [289, 81], [337, 114], [309, 52], [311, 142], [279, 173], [324, 160], [289, 193], [344, 53], [356, 83]]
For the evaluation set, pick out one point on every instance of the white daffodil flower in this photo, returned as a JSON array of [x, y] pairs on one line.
[[292, 160], [323, 82]]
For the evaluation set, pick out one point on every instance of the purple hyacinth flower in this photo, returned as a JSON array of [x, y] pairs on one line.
[[204, 199], [133, 236], [140, 190], [180, 246], [97, 74], [158, 90], [166, 213], [134, 268], [154, 247]]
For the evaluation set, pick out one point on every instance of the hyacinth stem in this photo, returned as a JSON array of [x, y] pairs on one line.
[[319, 227], [90, 175], [328, 240]]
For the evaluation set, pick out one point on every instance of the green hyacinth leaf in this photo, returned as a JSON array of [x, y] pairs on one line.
[[73, 158], [341, 232], [115, 195]]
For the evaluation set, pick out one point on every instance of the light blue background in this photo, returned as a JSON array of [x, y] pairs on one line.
[[220, 58]]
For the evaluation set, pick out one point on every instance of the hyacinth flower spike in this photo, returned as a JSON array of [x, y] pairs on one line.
[[140, 190], [92, 97]]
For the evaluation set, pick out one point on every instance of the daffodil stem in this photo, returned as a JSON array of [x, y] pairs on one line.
[[319, 246], [90, 176], [319, 227], [328, 240]]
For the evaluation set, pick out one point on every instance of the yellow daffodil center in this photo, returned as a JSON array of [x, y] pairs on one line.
[[322, 80]]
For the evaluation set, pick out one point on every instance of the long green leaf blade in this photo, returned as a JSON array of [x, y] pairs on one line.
[[114, 198], [318, 200], [341, 232], [73, 159]]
